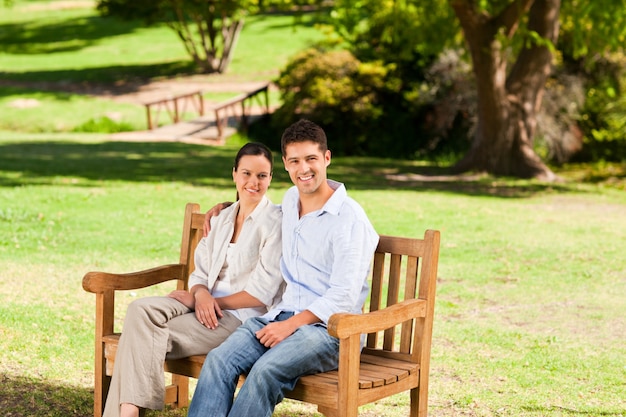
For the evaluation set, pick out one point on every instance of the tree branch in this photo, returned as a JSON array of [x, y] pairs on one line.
[[533, 64], [511, 15]]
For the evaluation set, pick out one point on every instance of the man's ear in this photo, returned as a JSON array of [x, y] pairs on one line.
[[327, 157]]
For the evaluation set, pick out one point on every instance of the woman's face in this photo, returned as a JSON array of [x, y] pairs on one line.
[[252, 178]]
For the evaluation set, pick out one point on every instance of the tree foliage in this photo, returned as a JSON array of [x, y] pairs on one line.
[[512, 45], [394, 30], [208, 29]]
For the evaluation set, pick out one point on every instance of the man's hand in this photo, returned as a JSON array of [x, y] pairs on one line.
[[276, 332], [214, 211]]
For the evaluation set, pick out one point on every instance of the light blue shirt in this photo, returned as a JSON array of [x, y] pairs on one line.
[[326, 256]]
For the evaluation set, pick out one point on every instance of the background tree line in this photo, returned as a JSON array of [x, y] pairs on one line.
[[502, 86]]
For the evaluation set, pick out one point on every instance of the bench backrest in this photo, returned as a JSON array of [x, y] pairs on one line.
[[404, 269], [192, 234]]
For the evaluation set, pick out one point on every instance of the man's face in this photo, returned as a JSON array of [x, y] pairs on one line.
[[306, 165]]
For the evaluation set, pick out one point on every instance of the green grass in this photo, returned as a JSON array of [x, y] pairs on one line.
[[25, 110], [529, 316]]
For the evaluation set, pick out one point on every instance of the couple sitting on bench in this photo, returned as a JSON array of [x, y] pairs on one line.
[[256, 313]]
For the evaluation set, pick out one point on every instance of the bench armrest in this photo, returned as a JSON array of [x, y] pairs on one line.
[[343, 325], [98, 282]]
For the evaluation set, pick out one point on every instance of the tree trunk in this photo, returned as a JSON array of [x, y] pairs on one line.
[[231, 36], [507, 106], [209, 39]]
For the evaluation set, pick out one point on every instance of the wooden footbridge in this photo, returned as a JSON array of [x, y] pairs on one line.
[[187, 117]]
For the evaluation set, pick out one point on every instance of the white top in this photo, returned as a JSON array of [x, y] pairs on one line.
[[253, 263]]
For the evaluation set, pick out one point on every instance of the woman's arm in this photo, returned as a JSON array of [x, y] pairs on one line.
[[240, 299]]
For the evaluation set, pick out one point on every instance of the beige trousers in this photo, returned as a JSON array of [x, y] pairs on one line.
[[156, 328]]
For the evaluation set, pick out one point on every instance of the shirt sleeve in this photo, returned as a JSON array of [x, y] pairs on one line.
[[353, 249], [201, 273], [266, 281]]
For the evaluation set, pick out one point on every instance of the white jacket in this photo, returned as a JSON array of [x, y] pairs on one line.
[[255, 264]]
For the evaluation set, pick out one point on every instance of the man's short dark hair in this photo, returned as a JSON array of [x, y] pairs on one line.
[[301, 131]]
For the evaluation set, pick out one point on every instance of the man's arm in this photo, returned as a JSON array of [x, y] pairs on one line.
[[214, 211], [353, 248]]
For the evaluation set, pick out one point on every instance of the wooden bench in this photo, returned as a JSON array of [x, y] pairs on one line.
[[398, 324]]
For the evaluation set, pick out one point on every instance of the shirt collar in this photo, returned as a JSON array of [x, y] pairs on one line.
[[257, 210], [336, 200]]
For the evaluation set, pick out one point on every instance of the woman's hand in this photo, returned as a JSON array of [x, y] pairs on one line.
[[183, 297], [207, 309]]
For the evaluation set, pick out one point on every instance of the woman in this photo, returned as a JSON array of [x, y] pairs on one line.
[[237, 276]]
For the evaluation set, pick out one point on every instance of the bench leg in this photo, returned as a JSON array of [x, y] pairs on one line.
[[419, 403], [177, 393], [328, 412], [182, 383]]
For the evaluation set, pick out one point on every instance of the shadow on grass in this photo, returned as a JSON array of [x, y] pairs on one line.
[[71, 34], [67, 162], [121, 78], [74, 34], [30, 397], [22, 396], [71, 163], [556, 410]]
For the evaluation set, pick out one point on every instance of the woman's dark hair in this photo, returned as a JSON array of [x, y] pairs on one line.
[[254, 149]]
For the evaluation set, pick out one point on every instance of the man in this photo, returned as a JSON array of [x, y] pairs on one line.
[[327, 246]]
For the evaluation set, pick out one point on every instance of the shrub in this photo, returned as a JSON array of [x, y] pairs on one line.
[[365, 108], [335, 90], [103, 124], [603, 120]]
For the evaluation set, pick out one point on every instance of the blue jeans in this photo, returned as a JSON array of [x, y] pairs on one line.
[[270, 371]]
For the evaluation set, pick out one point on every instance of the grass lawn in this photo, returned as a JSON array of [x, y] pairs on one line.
[[529, 317]]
